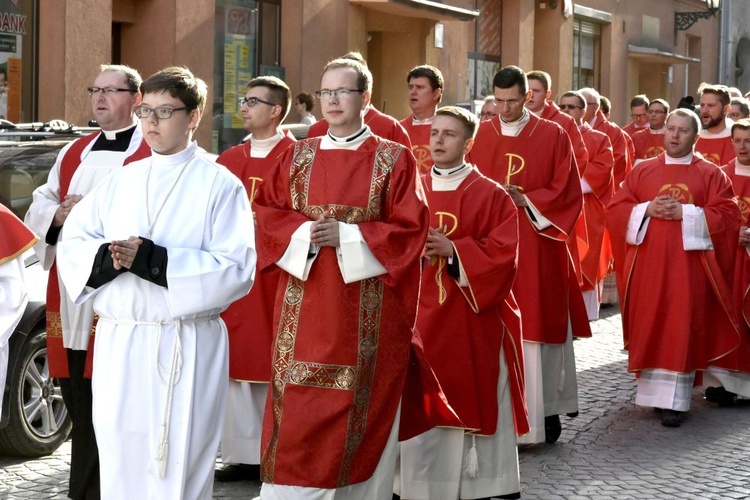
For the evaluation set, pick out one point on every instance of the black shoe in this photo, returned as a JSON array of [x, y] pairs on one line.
[[572, 415], [509, 496], [721, 396], [237, 472], [552, 428], [671, 418]]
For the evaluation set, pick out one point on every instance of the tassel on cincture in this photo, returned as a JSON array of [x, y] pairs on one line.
[[162, 452], [470, 466]]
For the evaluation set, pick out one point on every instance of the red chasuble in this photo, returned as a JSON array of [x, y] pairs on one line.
[[552, 113], [380, 124], [249, 320], [16, 239], [717, 151], [58, 357], [599, 176], [631, 129], [341, 350], [740, 358], [463, 328], [420, 142], [540, 161], [647, 145], [620, 147], [676, 309]]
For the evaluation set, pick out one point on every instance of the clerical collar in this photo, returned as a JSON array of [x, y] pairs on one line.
[[177, 158], [446, 172], [259, 148], [740, 169], [513, 129], [658, 131], [423, 121], [114, 140], [351, 142], [685, 160]]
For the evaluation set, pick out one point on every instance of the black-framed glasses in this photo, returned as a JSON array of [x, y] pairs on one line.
[[338, 93], [108, 90], [162, 113], [251, 102], [569, 106]]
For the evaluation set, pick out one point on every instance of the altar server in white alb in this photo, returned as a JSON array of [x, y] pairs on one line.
[[161, 247]]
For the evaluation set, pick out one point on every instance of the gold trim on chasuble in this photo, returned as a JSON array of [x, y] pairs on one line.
[[287, 369]]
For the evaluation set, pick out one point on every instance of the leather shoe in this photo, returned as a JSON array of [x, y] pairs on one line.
[[720, 396], [237, 472], [552, 428], [671, 418]]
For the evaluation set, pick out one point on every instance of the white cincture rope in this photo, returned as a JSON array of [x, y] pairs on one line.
[[175, 370]]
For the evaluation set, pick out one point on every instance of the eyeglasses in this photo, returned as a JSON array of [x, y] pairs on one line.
[[251, 102], [510, 102], [108, 90], [635, 117], [569, 106], [161, 113], [656, 112], [487, 115], [338, 93]]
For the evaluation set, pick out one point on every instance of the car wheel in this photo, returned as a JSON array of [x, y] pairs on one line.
[[38, 421]]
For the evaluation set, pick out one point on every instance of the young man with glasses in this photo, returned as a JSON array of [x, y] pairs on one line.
[[249, 320], [161, 248], [649, 143], [346, 221], [598, 187], [533, 159], [80, 166], [638, 115]]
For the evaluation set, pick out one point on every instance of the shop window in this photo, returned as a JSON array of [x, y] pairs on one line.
[[587, 42], [483, 60]]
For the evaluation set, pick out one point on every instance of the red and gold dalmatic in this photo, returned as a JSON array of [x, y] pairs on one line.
[[16, 237], [718, 151], [739, 360], [464, 328], [600, 178], [341, 350], [249, 320], [540, 161], [677, 309], [420, 142]]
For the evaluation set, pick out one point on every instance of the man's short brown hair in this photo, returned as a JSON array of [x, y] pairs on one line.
[[542, 77], [720, 90], [430, 72], [742, 124], [181, 84], [469, 120], [639, 100], [278, 90], [364, 77]]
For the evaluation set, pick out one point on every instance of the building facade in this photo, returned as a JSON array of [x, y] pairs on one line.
[[622, 48]]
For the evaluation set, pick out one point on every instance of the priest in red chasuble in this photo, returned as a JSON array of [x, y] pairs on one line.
[[677, 218], [470, 326], [344, 217], [425, 93], [729, 376], [533, 159]]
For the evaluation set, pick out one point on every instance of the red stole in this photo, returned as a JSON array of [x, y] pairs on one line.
[[249, 320], [16, 239], [58, 358], [464, 328], [380, 124], [420, 142], [677, 309], [341, 350], [540, 161]]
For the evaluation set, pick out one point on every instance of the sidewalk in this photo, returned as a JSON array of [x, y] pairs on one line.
[[612, 450]]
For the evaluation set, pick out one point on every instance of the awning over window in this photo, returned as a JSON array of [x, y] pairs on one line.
[[425, 9], [653, 55]]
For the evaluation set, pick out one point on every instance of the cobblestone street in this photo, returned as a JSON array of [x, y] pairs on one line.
[[612, 450]]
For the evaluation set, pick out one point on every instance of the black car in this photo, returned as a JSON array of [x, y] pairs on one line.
[[34, 419]]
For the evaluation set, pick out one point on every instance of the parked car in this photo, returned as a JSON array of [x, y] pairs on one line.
[[34, 419]]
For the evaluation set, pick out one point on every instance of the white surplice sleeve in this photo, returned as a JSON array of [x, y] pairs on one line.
[[300, 254], [695, 235], [539, 221], [637, 224], [213, 277], [44, 203], [356, 260]]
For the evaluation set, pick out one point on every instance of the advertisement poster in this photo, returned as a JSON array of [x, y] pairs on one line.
[[12, 28]]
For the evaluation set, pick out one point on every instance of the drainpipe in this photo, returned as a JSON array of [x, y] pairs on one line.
[[726, 65]]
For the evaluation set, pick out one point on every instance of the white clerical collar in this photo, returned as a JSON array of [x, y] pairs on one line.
[[740, 169], [658, 131], [685, 160], [111, 135], [513, 129], [423, 121], [175, 159], [259, 148], [352, 142], [449, 179], [727, 132]]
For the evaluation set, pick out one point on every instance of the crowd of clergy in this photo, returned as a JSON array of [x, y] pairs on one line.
[[385, 309]]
